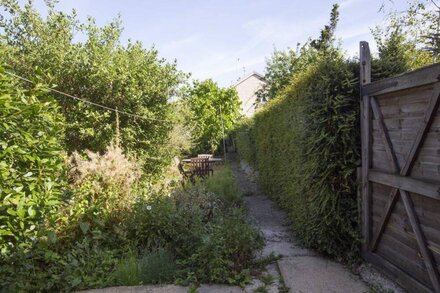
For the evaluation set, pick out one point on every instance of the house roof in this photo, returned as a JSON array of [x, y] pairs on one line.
[[254, 73]]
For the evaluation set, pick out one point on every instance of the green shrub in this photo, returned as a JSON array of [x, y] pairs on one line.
[[98, 68], [225, 251], [223, 184], [31, 163], [203, 226], [245, 140], [224, 247], [307, 150], [205, 101], [85, 264]]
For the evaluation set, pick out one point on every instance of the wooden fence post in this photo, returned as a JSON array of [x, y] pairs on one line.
[[365, 78]]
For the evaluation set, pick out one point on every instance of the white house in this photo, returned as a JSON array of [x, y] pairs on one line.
[[247, 88]]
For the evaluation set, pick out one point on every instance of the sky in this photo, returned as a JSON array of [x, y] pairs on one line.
[[225, 39]]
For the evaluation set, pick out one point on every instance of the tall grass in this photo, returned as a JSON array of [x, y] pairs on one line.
[[223, 184], [148, 268]]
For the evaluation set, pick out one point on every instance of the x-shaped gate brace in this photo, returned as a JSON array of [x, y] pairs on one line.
[[405, 171]]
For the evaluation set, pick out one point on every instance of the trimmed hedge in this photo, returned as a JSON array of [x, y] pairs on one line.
[[306, 146]]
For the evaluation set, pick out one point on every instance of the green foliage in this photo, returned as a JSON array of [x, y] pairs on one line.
[[396, 55], [226, 254], [98, 68], [190, 235], [181, 136], [280, 68], [284, 64], [418, 23], [93, 221], [325, 42], [306, 149], [306, 152], [31, 163], [223, 184], [305, 143], [245, 140], [150, 268], [44, 269], [206, 231], [205, 101]]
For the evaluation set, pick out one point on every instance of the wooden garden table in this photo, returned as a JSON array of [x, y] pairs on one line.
[[210, 160]]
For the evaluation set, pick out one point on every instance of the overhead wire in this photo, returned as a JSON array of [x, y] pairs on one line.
[[89, 102]]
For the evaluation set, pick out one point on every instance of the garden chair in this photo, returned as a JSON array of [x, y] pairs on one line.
[[209, 156], [200, 167], [187, 175]]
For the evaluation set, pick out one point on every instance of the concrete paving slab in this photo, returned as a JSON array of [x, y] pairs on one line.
[[257, 283], [313, 274], [219, 289], [140, 289]]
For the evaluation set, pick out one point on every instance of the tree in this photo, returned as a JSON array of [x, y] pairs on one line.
[[414, 29], [283, 64], [211, 108], [327, 37], [279, 69], [101, 70]]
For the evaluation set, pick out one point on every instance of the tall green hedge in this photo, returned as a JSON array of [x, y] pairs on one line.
[[305, 145]]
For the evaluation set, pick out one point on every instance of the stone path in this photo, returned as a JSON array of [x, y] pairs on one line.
[[302, 270]]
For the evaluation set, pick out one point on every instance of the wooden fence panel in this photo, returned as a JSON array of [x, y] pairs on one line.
[[400, 126]]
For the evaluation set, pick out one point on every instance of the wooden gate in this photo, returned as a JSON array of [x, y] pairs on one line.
[[400, 126]]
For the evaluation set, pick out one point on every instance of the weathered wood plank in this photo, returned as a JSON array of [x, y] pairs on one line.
[[406, 183], [424, 128], [366, 142], [416, 78], [426, 254], [426, 210], [406, 259], [403, 235], [408, 96], [384, 133], [401, 277], [409, 207]]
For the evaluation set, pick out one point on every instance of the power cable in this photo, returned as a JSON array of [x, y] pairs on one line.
[[87, 101]]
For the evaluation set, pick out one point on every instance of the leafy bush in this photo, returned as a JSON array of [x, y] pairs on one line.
[[31, 163], [100, 69], [205, 100], [203, 226], [245, 140]]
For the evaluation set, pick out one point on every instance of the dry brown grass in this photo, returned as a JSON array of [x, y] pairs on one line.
[[111, 168]]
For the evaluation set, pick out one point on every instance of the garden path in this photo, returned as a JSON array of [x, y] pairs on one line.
[[301, 270]]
